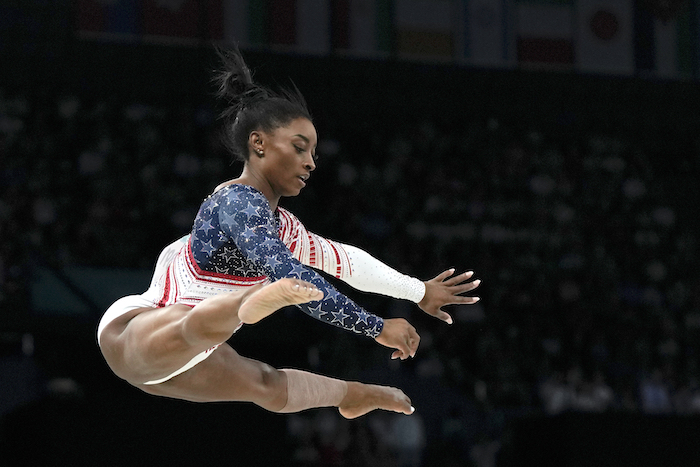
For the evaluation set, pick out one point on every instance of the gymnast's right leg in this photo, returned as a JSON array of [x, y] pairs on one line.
[[149, 344]]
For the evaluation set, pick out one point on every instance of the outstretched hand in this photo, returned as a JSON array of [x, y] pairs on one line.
[[400, 335], [441, 291]]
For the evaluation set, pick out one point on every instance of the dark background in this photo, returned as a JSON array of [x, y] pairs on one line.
[[574, 198]]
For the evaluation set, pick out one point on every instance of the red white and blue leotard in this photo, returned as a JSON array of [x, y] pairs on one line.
[[237, 241]]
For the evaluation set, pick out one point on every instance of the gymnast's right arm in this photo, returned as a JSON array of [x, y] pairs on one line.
[[246, 218]]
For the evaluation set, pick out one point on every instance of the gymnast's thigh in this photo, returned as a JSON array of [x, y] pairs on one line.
[[147, 343], [226, 376]]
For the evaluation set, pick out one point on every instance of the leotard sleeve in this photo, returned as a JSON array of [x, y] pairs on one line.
[[346, 262], [245, 217]]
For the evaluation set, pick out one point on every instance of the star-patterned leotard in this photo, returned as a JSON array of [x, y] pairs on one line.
[[237, 241], [236, 233]]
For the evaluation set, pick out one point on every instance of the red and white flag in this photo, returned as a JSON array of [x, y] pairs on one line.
[[605, 36], [545, 32]]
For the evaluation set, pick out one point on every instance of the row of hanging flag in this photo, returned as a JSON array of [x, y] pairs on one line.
[[655, 38]]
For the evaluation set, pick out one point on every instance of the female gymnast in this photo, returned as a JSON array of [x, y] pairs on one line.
[[245, 258]]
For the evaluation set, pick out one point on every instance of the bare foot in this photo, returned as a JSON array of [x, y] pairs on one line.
[[269, 298], [363, 398]]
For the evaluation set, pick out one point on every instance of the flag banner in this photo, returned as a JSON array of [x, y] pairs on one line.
[[246, 22], [183, 19], [313, 24], [237, 28], [108, 17], [545, 32], [362, 28], [340, 27], [644, 58], [425, 28], [689, 40], [654, 38], [282, 19], [605, 37], [675, 43], [666, 40], [666, 48], [297, 26], [487, 33]]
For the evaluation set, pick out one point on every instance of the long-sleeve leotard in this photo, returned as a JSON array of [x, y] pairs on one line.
[[244, 217], [237, 241]]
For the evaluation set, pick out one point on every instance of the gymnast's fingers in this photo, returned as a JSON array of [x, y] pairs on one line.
[[466, 287], [458, 279]]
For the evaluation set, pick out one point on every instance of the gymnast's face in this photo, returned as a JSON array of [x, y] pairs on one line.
[[288, 156]]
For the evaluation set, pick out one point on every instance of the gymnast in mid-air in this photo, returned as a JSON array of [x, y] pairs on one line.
[[246, 258]]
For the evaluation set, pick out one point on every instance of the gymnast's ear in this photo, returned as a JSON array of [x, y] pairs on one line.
[[255, 141]]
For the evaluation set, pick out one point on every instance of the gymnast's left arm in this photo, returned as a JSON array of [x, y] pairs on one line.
[[362, 271], [371, 275]]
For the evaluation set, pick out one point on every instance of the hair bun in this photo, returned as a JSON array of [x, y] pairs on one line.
[[234, 80], [249, 106]]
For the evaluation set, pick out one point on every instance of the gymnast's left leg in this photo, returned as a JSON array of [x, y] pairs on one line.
[[227, 376]]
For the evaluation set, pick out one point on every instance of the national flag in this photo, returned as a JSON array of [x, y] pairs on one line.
[[340, 29], [545, 31], [689, 41], [605, 36], [299, 26], [487, 34], [666, 36], [313, 26], [282, 19], [115, 17], [246, 22], [425, 28], [303, 26], [362, 27], [183, 19], [667, 41]]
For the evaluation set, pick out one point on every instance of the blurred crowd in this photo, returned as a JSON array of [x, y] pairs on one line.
[[584, 238]]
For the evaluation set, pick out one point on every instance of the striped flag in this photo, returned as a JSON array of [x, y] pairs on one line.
[[362, 28], [282, 19], [666, 40], [425, 29], [545, 31], [313, 23], [182, 19], [112, 17], [299, 26], [666, 36], [487, 34], [246, 23], [302, 26], [605, 36]]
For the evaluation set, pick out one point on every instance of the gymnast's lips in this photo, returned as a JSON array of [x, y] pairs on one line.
[[304, 178]]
